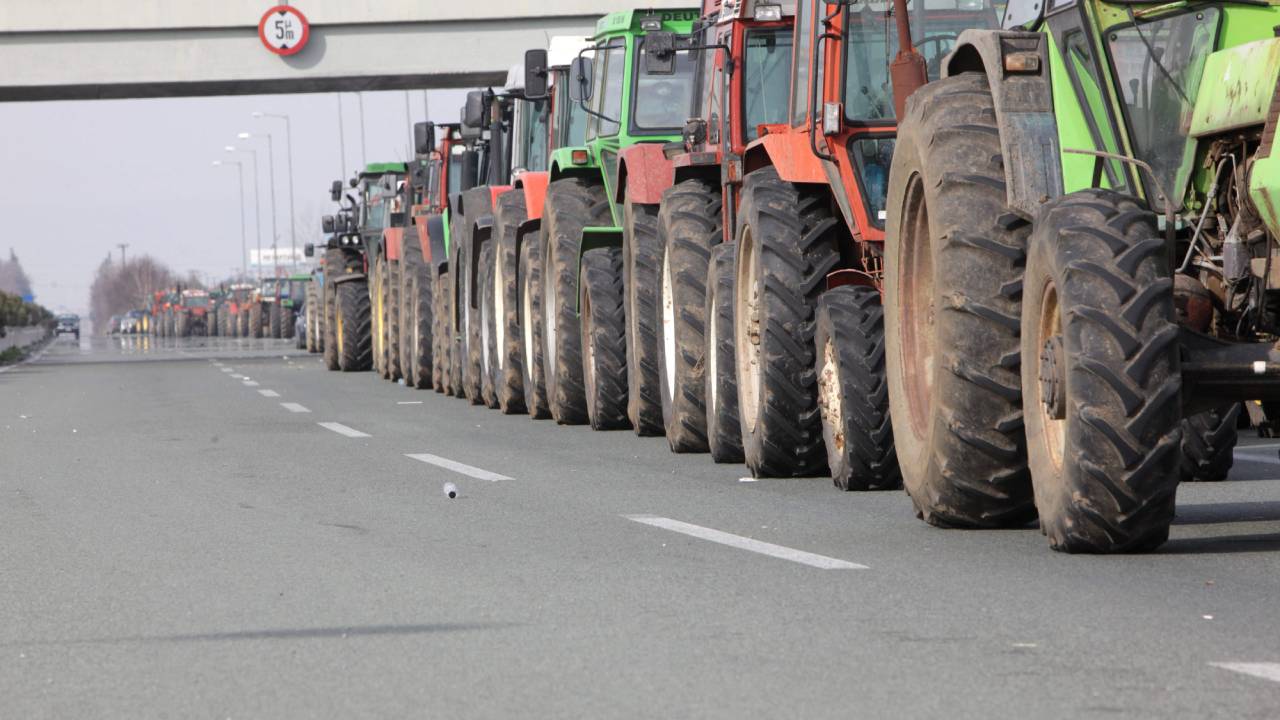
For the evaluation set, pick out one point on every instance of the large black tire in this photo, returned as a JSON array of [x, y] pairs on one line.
[[1102, 377], [288, 317], [689, 225], [724, 430], [312, 337], [416, 318], [604, 362], [953, 288], [245, 324], [642, 253], [852, 392], [786, 246], [275, 327], [507, 375], [1208, 444], [487, 350], [394, 370], [212, 322], [457, 306], [440, 332], [473, 343], [571, 205], [255, 319], [355, 327], [533, 376], [333, 265], [181, 325]]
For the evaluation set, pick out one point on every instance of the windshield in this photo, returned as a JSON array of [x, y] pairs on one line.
[[571, 119], [198, 301], [534, 136], [606, 98], [1158, 66], [766, 79], [871, 44], [455, 168], [663, 102], [269, 287]]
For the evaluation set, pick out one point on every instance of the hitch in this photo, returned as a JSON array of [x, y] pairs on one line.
[[1215, 372]]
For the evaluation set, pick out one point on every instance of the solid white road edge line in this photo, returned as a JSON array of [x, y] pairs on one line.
[[457, 467], [1266, 671], [343, 429], [268, 393], [744, 543], [294, 407]]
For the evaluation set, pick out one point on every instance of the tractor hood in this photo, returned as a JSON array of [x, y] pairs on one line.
[[1238, 85]]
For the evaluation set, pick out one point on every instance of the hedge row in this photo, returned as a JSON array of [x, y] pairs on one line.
[[14, 312]]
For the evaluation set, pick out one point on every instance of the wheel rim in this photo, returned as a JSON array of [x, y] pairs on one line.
[[668, 330], [549, 317], [499, 310], [747, 321], [1050, 370], [830, 401], [915, 275]]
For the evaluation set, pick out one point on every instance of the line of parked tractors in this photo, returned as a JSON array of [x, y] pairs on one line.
[[269, 308], [1016, 257]]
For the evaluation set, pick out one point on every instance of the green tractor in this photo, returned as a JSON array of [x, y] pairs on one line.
[[598, 237], [1082, 276]]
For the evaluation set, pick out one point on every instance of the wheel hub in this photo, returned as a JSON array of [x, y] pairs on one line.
[[1053, 380]]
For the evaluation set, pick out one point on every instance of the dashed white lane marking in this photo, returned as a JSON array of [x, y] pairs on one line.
[[268, 393], [744, 543], [343, 429], [457, 467], [251, 383], [228, 370], [294, 407], [237, 376], [746, 479], [1266, 671], [409, 402]]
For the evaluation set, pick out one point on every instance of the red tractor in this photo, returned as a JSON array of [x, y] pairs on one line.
[[191, 314]]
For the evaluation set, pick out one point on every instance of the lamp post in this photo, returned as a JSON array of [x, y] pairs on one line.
[[257, 204], [244, 245], [293, 218], [271, 167], [364, 159], [342, 139]]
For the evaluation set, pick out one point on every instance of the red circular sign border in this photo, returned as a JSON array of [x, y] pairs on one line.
[[306, 30]]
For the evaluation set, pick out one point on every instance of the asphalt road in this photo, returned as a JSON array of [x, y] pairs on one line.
[[223, 529]]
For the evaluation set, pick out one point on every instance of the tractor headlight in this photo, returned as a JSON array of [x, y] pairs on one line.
[[766, 13]]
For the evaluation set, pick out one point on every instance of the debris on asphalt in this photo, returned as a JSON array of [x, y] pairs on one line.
[[450, 490]]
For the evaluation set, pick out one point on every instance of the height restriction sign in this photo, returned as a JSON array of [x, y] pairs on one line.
[[284, 30]]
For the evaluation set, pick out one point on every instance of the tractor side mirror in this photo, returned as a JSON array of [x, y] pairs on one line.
[[473, 111], [335, 191], [424, 137], [469, 133], [309, 250], [326, 224], [535, 74], [659, 53], [580, 77]]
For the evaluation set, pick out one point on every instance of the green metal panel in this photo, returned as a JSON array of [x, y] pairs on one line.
[[383, 168], [1237, 87], [1264, 191]]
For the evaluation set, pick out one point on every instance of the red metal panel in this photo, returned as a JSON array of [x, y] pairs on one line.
[[535, 192], [495, 191], [643, 173], [392, 238], [424, 242], [789, 152]]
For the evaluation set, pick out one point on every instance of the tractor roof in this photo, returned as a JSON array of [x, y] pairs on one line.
[[374, 169], [633, 21], [564, 48]]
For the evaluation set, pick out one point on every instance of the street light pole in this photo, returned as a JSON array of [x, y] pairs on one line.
[[257, 202], [293, 218], [244, 245], [364, 158], [342, 139], [271, 167]]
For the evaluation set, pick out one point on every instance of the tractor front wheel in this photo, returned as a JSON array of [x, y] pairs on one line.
[[354, 332], [604, 362]]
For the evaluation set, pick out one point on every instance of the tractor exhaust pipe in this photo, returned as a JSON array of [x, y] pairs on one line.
[[908, 71]]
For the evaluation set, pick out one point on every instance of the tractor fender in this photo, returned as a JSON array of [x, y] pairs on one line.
[[701, 165], [789, 153], [1024, 111], [530, 226], [643, 173], [534, 186], [481, 232], [592, 238], [392, 238], [434, 250]]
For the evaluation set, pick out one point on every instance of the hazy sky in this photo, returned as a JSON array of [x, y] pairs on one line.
[[80, 177]]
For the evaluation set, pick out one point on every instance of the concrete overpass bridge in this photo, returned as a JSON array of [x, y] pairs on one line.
[[85, 49]]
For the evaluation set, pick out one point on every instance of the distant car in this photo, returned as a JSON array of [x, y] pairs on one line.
[[69, 324], [115, 324]]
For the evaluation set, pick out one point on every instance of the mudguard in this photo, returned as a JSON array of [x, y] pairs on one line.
[[1024, 111], [435, 248], [592, 238], [392, 239], [643, 173], [534, 186], [787, 152]]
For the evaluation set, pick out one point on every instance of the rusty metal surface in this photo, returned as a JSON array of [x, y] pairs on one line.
[[643, 173], [1242, 84]]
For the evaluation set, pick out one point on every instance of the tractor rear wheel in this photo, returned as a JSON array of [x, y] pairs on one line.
[[484, 287], [354, 331], [786, 247], [529, 279], [507, 376], [724, 430], [852, 392], [689, 224], [394, 323], [953, 289], [473, 343], [255, 320], [180, 324], [378, 326], [1208, 444], [275, 327], [572, 204], [604, 362], [439, 331], [415, 314], [642, 251], [288, 319], [333, 261], [1101, 377]]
